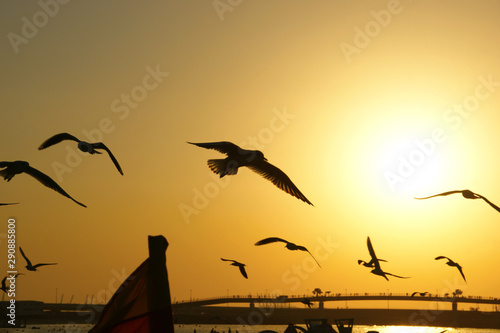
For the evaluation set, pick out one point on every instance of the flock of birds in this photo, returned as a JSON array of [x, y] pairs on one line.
[[236, 158]]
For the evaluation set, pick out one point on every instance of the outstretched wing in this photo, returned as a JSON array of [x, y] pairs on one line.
[[312, 257], [49, 182], [440, 194], [401, 277], [270, 240], [461, 272], [100, 145], [278, 178], [228, 260], [5, 204], [442, 257], [28, 262], [38, 265], [56, 139], [243, 272], [490, 203], [223, 147]]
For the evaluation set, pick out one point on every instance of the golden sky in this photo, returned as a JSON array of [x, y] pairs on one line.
[[363, 105]]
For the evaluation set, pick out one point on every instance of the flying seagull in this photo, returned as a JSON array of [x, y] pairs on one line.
[[82, 145], [290, 246], [17, 167], [29, 266], [452, 264], [5, 204], [253, 159], [307, 302], [419, 293], [377, 270], [4, 287], [239, 265], [466, 194]]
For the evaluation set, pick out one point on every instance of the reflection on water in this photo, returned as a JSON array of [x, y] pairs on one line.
[[253, 329]]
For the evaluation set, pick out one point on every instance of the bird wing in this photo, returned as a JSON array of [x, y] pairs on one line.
[[372, 253], [223, 147], [312, 256], [440, 194], [49, 182], [270, 240], [56, 139], [416, 292], [13, 203], [4, 286], [28, 262], [100, 145], [401, 277], [490, 203], [243, 272], [461, 272], [278, 178], [38, 265], [442, 257]]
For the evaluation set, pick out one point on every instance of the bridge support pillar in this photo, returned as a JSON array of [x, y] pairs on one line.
[[321, 305], [454, 313], [252, 305]]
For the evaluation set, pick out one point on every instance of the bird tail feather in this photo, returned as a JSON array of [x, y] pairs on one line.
[[223, 167]]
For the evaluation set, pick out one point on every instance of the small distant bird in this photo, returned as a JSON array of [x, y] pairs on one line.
[[421, 294], [29, 266], [452, 264], [307, 302], [377, 270], [4, 284], [253, 159], [82, 145], [289, 245], [239, 265], [17, 167], [466, 194], [5, 204]]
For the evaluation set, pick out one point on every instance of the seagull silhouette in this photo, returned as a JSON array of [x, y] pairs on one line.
[[253, 159], [421, 294], [5, 204], [4, 287], [466, 194], [307, 302], [17, 167], [377, 270], [29, 266], [82, 145], [452, 264], [289, 245], [239, 265]]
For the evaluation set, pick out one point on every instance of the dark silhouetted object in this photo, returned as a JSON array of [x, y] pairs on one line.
[[419, 293], [5, 204], [29, 266], [253, 159], [82, 145], [239, 265], [377, 270], [142, 304], [452, 264], [466, 194], [289, 245], [4, 287], [17, 167]]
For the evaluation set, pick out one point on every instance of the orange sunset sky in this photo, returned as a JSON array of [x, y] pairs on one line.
[[364, 105]]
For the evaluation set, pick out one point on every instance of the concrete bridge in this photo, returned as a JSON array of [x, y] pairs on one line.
[[321, 299]]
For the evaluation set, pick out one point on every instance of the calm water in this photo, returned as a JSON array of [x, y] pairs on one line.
[[258, 328]]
